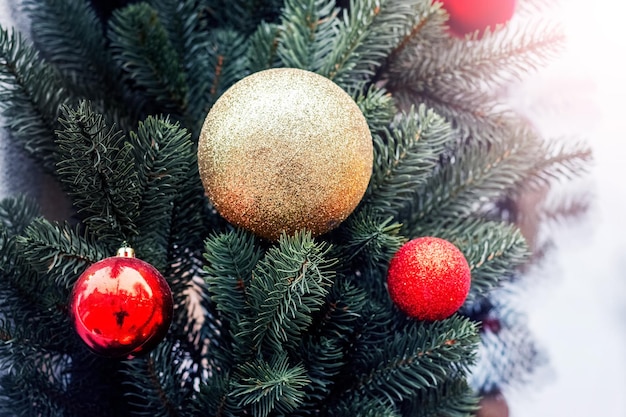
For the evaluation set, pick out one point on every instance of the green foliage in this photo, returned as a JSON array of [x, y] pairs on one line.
[[16, 214], [364, 406], [70, 36], [460, 81], [287, 285], [31, 96], [245, 15], [305, 31], [262, 52], [97, 167], [454, 396], [419, 357], [477, 174], [141, 47], [370, 239], [267, 387], [151, 383], [230, 259], [559, 160], [303, 326], [378, 108], [405, 158], [164, 154]]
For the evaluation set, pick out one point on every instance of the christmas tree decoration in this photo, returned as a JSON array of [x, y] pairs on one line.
[[468, 16], [162, 120], [428, 278], [121, 306], [284, 150]]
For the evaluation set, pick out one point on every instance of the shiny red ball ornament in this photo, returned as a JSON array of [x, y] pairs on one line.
[[121, 306], [468, 16], [428, 278]]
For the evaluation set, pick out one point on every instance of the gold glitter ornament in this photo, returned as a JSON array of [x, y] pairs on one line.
[[283, 150]]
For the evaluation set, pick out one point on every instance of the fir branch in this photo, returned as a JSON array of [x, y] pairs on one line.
[[189, 37], [30, 304], [181, 20], [378, 108], [142, 49], [6, 332], [267, 387], [452, 398], [31, 95], [477, 174], [58, 251], [152, 384], [289, 284], [366, 37], [323, 348], [213, 59], [71, 37], [562, 159], [494, 252], [17, 213], [363, 405], [33, 331], [343, 308], [191, 221], [424, 29], [23, 343], [323, 360], [422, 356], [230, 259], [35, 390], [485, 65], [570, 207], [405, 158], [473, 114], [42, 381], [306, 33], [195, 57], [244, 15], [38, 272], [215, 399], [96, 166], [370, 238], [228, 61], [192, 217], [341, 63], [263, 47], [164, 154]]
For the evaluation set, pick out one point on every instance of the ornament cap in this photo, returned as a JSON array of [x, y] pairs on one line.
[[126, 251]]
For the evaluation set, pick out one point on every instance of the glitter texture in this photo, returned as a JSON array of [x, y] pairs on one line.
[[283, 150], [429, 278]]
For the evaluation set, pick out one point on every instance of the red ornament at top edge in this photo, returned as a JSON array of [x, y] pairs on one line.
[[468, 16]]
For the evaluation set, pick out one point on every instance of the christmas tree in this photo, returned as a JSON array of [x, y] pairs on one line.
[[113, 104]]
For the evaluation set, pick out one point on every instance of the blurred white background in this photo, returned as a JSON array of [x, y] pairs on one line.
[[577, 308]]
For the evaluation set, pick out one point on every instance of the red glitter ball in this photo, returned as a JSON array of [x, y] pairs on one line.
[[121, 307], [467, 16], [428, 278]]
